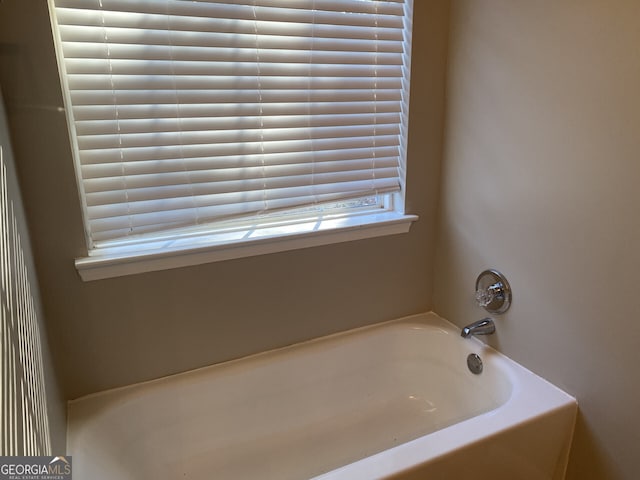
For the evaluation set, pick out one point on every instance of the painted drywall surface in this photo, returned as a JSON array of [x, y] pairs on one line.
[[540, 180], [117, 331]]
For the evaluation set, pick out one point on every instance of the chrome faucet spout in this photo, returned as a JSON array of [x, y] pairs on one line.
[[481, 327]]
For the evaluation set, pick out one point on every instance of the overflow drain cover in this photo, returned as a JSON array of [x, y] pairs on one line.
[[474, 362]]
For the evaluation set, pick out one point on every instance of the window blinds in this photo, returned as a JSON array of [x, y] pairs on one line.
[[185, 112]]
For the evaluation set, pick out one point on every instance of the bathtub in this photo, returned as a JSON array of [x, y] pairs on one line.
[[393, 400]]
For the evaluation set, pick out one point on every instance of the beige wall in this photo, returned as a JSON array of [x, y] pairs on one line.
[[541, 180], [117, 331]]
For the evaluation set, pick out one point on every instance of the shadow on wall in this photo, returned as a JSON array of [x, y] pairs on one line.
[[23, 401], [587, 445]]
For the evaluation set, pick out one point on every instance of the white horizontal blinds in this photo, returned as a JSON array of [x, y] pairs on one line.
[[190, 111]]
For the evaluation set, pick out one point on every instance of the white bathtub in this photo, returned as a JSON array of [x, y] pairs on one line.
[[395, 400]]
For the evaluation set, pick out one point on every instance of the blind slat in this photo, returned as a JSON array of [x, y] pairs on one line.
[[125, 126], [134, 154], [143, 199], [158, 167], [384, 14], [108, 19], [113, 66], [120, 35], [139, 213], [223, 54], [263, 135], [163, 110], [132, 97], [119, 83], [180, 177]]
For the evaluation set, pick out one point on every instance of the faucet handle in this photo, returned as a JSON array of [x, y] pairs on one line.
[[484, 297], [493, 292]]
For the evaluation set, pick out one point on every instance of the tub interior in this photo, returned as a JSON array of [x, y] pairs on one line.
[[293, 413]]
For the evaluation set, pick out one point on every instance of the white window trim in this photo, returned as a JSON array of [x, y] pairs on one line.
[[239, 243], [116, 256]]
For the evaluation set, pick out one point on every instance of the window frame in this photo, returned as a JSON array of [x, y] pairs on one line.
[[240, 239]]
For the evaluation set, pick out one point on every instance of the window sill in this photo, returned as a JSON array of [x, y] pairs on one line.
[[164, 255]]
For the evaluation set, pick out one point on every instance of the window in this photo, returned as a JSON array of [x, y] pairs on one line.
[[24, 414], [201, 126]]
